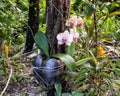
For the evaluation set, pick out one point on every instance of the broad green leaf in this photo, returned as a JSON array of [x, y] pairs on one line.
[[42, 43], [58, 88], [71, 49], [105, 10], [66, 94], [2, 5], [82, 61], [67, 59], [75, 93], [88, 9]]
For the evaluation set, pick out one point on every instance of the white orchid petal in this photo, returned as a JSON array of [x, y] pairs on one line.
[[60, 42], [59, 36], [68, 43]]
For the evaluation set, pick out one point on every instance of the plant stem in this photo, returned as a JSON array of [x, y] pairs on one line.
[[95, 25], [11, 71]]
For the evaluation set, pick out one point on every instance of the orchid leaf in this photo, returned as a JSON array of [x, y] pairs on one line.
[[66, 94], [67, 59], [58, 88], [42, 43], [75, 93], [82, 61], [71, 49]]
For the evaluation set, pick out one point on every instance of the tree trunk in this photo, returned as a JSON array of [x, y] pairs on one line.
[[33, 24], [57, 11]]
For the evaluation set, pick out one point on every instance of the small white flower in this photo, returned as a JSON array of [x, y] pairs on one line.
[[65, 38]]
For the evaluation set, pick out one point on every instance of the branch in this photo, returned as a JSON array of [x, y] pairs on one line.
[[11, 70]]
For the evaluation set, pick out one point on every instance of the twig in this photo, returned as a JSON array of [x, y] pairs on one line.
[[11, 70]]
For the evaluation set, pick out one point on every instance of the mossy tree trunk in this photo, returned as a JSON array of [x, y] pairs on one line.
[[33, 24], [57, 11]]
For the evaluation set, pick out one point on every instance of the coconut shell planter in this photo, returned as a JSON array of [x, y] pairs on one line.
[[48, 72]]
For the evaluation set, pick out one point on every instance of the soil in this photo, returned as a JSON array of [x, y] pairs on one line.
[[29, 85]]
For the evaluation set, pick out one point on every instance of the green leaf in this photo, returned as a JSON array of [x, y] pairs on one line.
[[118, 63], [82, 61], [71, 49], [114, 13], [2, 5], [94, 59], [58, 88], [105, 10], [118, 72], [42, 43], [66, 94], [67, 59], [92, 92], [88, 9], [77, 93]]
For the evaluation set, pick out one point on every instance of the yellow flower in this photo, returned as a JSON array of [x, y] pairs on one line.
[[100, 51], [6, 50]]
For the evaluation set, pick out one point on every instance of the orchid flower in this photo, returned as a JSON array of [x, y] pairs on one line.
[[74, 34], [72, 21], [64, 38], [80, 22]]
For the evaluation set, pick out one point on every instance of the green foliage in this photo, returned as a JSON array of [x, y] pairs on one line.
[[88, 10], [12, 19], [67, 59], [87, 75], [82, 61], [42, 43], [71, 49], [58, 88], [17, 77]]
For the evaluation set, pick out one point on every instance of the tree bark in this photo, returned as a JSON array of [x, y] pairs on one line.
[[57, 11], [33, 24]]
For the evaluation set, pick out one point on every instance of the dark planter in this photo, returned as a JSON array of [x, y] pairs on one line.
[[48, 72]]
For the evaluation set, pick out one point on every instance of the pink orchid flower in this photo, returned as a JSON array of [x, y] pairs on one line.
[[75, 21], [72, 21], [74, 34], [80, 22], [65, 38]]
